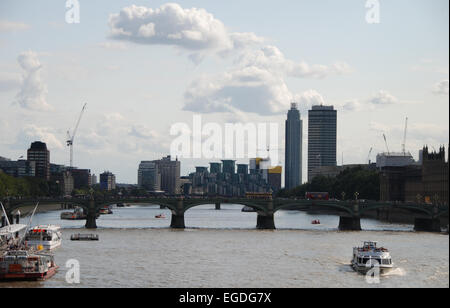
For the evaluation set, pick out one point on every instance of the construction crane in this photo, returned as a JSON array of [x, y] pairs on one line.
[[404, 137], [368, 156], [71, 138], [385, 141]]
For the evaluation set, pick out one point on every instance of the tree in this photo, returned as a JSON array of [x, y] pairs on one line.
[[364, 181]]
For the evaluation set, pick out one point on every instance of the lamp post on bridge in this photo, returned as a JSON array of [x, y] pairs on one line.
[[419, 198], [356, 206]]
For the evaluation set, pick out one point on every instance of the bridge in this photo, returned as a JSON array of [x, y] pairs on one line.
[[427, 217]]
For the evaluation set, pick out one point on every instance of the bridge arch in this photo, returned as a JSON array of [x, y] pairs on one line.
[[322, 204], [411, 208], [256, 207], [13, 206], [138, 202]]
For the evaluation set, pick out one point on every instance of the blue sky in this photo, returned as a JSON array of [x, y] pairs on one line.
[[135, 92]]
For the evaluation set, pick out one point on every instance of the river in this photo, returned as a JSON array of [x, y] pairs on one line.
[[223, 249]]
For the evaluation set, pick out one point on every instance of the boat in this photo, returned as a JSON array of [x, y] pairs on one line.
[[26, 264], [105, 211], [315, 222], [47, 236], [18, 261], [9, 235], [84, 237], [160, 216], [369, 256], [77, 214], [248, 209]]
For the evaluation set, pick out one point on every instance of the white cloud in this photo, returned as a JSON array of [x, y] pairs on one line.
[[272, 59], [418, 134], [250, 89], [256, 85], [170, 24], [441, 88], [352, 105], [141, 131], [113, 45], [383, 98], [12, 26], [33, 90], [30, 133], [308, 99]]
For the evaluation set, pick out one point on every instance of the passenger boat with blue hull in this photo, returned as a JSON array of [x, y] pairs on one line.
[[370, 256]]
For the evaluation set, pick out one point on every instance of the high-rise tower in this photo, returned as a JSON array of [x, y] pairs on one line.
[[322, 132], [39, 154], [293, 153]]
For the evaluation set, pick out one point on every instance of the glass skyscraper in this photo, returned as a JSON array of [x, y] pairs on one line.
[[322, 131], [293, 152]]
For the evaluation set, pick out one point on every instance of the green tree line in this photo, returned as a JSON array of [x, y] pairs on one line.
[[363, 181], [25, 186]]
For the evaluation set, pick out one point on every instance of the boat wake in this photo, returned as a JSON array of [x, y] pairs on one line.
[[395, 272]]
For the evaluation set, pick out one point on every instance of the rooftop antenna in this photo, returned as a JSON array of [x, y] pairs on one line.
[[71, 138]]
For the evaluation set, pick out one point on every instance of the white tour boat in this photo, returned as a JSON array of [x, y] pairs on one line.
[[47, 236], [370, 256]]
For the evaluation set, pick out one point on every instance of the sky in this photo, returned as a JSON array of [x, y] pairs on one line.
[[143, 66]]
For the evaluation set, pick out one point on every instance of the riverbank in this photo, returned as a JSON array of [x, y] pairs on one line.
[[42, 208]]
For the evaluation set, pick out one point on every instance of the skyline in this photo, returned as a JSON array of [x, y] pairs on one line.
[[249, 67]]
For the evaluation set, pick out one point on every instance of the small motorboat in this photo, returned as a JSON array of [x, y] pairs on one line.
[[105, 211], [160, 216], [315, 222]]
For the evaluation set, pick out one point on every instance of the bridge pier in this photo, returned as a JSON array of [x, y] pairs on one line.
[[177, 221], [427, 225], [91, 221], [91, 217], [218, 206], [265, 222], [349, 223]]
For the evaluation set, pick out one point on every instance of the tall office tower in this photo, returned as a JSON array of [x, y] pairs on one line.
[[148, 176], [39, 154], [294, 147], [170, 175], [107, 181], [322, 131]]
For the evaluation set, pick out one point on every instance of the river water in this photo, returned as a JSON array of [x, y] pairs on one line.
[[223, 249]]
